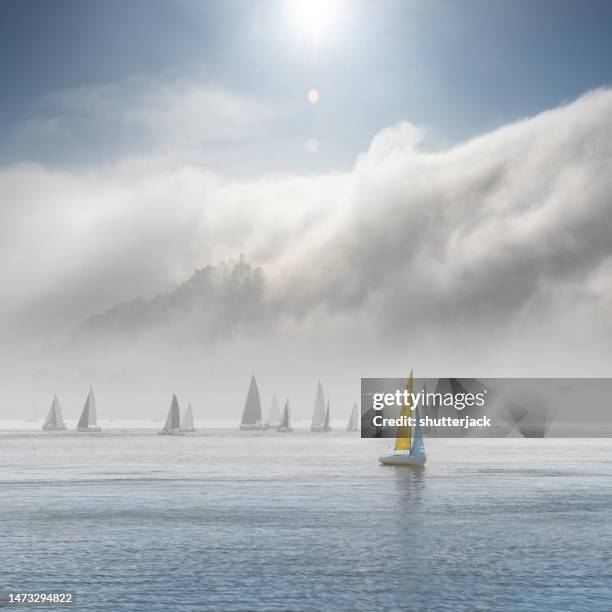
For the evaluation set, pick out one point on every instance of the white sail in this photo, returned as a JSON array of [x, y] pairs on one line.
[[353, 424], [285, 423], [173, 420], [251, 415], [326, 426], [88, 420], [54, 420], [274, 416], [318, 413], [187, 420]]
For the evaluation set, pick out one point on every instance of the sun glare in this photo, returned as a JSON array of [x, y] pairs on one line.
[[313, 17]]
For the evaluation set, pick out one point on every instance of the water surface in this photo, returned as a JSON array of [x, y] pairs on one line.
[[227, 520]]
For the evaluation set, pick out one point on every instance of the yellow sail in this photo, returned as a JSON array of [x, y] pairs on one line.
[[402, 435]]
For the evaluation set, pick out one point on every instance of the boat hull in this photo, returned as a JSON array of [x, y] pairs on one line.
[[253, 427], [171, 432], [187, 430], [319, 429], [403, 460], [53, 428], [284, 429], [89, 429]]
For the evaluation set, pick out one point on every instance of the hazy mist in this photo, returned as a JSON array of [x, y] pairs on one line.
[[492, 258]]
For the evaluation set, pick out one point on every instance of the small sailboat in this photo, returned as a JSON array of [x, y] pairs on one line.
[[187, 420], [251, 415], [319, 413], [274, 416], [54, 420], [88, 420], [285, 424], [172, 426], [408, 451], [353, 423]]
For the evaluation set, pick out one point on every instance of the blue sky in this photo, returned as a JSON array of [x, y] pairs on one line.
[[456, 68]]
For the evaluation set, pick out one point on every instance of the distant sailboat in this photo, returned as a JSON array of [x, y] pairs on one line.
[[172, 426], [319, 413], [187, 420], [285, 424], [251, 415], [274, 416], [88, 420], [353, 424], [54, 420], [407, 451]]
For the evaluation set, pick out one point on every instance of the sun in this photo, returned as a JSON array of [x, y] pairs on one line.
[[313, 17]]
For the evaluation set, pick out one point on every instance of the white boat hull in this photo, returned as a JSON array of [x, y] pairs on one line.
[[171, 432], [53, 428], [253, 427], [89, 429], [284, 429], [403, 460]]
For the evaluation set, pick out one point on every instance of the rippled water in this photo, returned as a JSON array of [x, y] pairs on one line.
[[249, 521]]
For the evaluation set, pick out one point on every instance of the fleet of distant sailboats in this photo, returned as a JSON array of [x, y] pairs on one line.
[[252, 419], [175, 424]]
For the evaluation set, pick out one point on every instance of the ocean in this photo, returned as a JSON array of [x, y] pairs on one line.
[[228, 520]]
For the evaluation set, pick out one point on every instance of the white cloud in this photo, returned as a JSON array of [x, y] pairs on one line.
[[139, 115], [498, 249]]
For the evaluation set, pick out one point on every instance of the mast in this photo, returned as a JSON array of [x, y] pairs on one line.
[[402, 435], [326, 426]]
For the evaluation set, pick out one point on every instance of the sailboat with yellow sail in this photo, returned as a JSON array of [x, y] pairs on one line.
[[409, 448]]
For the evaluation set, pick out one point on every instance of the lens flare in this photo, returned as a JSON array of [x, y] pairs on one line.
[[313, 96]]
